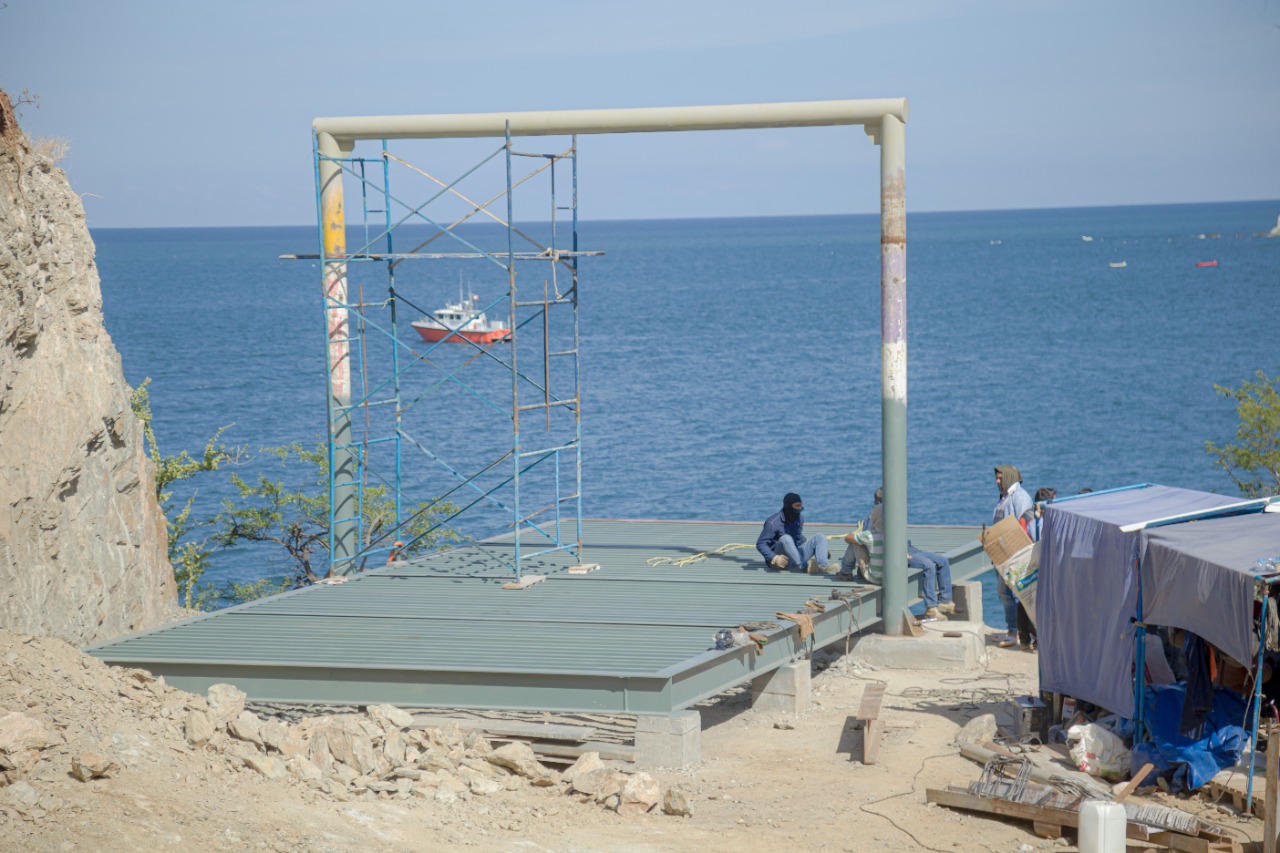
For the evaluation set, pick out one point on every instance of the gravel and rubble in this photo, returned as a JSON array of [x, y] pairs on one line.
[[93, 756]]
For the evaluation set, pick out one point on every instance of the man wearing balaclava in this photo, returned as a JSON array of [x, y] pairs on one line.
[[783, 545], [1014, 501]]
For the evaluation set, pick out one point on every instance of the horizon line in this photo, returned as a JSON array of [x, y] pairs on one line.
[[746, 216]]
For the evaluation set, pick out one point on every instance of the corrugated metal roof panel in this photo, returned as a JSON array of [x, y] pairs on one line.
[[440, 631]]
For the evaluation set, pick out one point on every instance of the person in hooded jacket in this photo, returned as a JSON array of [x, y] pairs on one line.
[[783, 544], [1014, 501]]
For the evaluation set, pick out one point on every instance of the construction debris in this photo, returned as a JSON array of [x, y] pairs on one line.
[[1013, 786]]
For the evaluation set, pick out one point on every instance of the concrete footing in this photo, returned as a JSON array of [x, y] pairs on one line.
[[786, 689], [968, 599], [673, 742], [965, 649]]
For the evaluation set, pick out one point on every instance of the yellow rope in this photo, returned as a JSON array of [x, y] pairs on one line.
[[723, 549], [696, 558]]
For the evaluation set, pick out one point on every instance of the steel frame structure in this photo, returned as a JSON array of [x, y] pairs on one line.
[[883, 119], [361, 457]]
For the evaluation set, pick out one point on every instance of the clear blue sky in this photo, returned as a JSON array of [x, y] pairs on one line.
[[182, 113]]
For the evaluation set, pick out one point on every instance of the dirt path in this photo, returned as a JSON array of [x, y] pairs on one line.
[[767, 780]]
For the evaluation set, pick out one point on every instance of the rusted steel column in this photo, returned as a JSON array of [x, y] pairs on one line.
[[342, 498], [893, 365]]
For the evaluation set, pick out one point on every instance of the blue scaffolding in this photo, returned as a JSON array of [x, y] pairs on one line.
[[408, 458]]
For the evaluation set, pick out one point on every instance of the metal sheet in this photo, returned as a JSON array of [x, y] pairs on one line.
[[440, 631]]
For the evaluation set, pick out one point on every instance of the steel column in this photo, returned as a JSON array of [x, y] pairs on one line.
[[343, 507], [893, 365]]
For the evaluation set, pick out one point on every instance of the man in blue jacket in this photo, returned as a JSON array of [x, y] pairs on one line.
[[782, 542]]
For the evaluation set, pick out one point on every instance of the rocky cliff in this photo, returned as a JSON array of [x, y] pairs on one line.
[[82, 539]]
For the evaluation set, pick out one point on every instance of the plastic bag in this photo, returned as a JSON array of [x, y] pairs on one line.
[[1098, 752], [868, 548], [1020, 572]]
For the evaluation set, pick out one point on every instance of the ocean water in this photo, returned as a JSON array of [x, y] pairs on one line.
[[726, 362]]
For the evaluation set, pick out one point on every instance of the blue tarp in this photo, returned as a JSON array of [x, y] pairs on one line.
[[1087, 595], [1193, 760]]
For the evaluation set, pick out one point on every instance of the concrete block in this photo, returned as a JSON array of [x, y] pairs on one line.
[[968, 599], [786, 689], [674, 741], [933, 651]]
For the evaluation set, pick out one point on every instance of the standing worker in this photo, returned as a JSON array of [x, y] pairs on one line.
[[1014, 501], [782, 542]]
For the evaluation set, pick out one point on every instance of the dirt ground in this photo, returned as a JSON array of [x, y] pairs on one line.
[[767, 781]]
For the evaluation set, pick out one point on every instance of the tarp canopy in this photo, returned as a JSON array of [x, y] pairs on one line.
[[1087, 594], [1199, 576]]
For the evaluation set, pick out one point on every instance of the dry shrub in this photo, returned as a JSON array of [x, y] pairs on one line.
[[53, 147]]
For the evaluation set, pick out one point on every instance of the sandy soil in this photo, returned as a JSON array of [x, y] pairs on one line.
[[767, 780]]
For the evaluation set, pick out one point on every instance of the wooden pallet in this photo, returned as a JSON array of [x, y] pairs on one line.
[[1050, 822], [1231, 786]]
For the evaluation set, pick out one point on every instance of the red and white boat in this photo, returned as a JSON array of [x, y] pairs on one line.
[[459, 322]]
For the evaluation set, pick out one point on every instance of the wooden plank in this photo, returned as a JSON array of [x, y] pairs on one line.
[[1269, 838], [1133, 783], [872, 696], [1187, 844], [1046, 830], [871, 731], [608, 751], [584, 568], [910, 625], [525, 582], [510, 728], [872, 725]]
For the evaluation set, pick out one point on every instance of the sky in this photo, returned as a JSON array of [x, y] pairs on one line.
[[199, 114]]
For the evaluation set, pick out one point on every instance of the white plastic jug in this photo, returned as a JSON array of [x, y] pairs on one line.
[[1102, 827]]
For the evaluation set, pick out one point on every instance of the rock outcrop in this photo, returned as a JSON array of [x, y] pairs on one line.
[[82, 538]]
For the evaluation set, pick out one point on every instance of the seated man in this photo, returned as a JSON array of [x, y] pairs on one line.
[[866, 546], [782, 542]]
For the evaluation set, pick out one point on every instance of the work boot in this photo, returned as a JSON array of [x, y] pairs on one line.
[[779, 562], [812, 567], [946, 607], [831, 568], [1008, 641], [932, 613]]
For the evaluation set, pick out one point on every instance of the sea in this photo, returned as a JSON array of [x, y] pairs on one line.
[[725, 362]]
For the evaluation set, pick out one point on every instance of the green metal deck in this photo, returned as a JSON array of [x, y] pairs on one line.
[[440, 632]]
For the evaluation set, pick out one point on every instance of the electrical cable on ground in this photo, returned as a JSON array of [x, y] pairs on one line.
[[865, 807]]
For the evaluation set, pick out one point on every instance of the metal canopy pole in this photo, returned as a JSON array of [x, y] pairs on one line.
[[893, 366]]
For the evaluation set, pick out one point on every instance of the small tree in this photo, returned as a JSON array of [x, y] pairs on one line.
[[1253, 462], [297, 518], [189, 556]]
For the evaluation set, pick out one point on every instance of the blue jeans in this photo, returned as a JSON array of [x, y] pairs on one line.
[[937, 574], [1009, 602], [814, 546]]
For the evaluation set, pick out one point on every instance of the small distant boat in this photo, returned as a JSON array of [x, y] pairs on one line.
[[460, 322], [1115, 265], [1206, 263], [1086, 238]]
